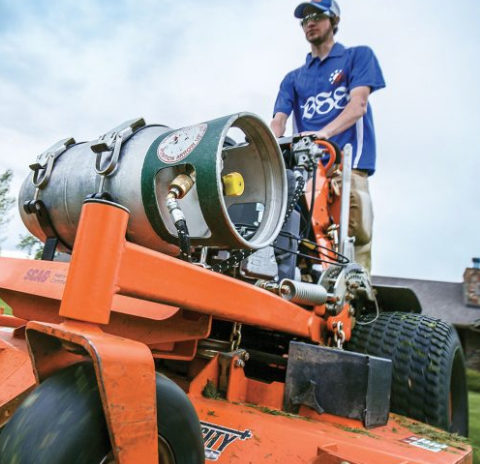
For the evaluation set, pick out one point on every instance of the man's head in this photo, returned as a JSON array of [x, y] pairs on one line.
[[317, 12]]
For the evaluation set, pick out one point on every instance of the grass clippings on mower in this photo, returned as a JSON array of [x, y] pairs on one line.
[[357, 430], [211, 391], [427, 431], [275, 412]]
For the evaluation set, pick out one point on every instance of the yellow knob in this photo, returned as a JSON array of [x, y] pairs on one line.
[[233, 184]]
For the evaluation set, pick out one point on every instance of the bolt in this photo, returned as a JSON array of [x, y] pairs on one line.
[[239, 363], [351, 311], [285, 290], [334, 325]]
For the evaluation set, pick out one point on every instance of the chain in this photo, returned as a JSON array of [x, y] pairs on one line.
[[295, 197], [236, 336], [236, 258], [339, 336]]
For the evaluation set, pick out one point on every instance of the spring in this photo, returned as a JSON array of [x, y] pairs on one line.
[[303, 292]]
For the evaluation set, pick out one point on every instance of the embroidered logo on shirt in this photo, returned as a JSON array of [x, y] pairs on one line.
[[324, 102], [337, 76]]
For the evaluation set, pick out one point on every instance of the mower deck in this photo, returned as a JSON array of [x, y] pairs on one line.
[[251, 434]]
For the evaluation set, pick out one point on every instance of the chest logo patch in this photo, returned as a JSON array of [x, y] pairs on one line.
[[217, 438], [337, 76]]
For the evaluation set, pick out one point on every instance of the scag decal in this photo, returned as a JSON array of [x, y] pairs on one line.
[[36, 275], [179, 144], [216, 439], [58, 278], [425, 444]]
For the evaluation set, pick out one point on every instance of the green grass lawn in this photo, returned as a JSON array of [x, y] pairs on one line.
[[474, 432], [473, 379], [6, 308]]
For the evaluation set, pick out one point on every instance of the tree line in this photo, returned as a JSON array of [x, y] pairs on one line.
[[27, 242]]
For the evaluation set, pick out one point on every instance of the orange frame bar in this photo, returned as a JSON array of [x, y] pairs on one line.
[[105, 264]]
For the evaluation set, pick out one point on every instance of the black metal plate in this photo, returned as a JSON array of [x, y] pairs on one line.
[[338, 382]]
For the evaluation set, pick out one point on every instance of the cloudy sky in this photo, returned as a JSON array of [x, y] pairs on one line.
[[80, 67]]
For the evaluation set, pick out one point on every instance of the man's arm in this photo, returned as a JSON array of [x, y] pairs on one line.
[[355, 109], [279, 124]]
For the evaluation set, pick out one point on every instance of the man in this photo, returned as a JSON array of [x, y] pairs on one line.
[[329, 98]]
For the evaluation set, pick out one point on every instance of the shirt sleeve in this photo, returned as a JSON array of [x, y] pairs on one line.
[[366, 70], [285, 97]]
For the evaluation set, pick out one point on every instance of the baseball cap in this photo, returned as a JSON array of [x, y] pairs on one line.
[[327, 7]]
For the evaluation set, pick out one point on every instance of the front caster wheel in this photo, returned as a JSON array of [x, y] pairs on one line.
[[62, 422]]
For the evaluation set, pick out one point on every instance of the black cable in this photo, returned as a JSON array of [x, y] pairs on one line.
[[336, 253], [303, 255], [239, 225], [341, 259]]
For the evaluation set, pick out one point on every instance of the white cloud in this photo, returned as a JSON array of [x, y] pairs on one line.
[[81, 68]]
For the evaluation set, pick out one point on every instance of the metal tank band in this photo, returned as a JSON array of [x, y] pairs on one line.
[[202, 150]]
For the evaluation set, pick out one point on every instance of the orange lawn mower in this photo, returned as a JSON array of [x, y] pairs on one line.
[[198, 300]]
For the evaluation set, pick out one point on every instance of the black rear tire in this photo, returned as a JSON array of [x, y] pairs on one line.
[[429, 380], [62, 422]]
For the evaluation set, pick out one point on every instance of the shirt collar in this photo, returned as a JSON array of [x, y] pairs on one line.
[[337, 50]]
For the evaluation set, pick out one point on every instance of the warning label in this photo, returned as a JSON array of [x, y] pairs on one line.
[[425, 444]]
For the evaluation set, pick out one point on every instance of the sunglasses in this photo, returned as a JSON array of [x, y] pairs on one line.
[[315, 17]]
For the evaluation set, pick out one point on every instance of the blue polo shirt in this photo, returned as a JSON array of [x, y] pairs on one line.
[[318, 92]]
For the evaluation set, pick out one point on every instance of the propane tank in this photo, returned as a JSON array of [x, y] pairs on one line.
[[139, 166]]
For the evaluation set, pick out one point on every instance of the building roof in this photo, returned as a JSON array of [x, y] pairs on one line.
[[444, 300]]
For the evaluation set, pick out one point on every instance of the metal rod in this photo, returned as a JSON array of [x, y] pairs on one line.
[[345, 200]]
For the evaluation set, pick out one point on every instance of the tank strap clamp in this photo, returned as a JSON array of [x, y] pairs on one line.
[[43, 166], [108, 147], [111, 143]]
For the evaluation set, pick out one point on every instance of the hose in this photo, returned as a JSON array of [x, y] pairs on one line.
[[184, 240], [180, 223]]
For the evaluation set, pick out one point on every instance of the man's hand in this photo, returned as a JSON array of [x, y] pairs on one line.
[[320, 134]]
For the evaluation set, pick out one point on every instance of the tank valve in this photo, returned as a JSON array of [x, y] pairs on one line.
[[181, 185]]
